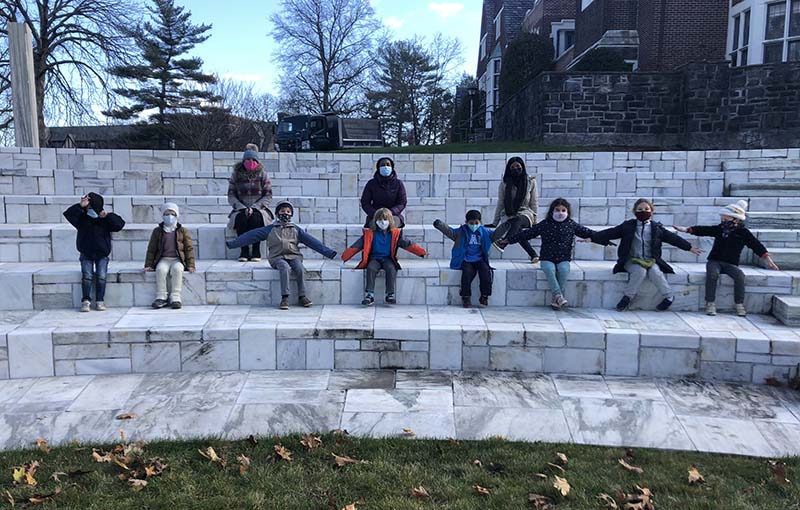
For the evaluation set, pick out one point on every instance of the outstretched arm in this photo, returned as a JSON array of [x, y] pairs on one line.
[[254, 236], [356, 247], [445, 229], [411, 247], [314, 243]]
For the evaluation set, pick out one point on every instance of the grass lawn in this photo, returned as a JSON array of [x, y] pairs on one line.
[[485, 147], [447, 470]]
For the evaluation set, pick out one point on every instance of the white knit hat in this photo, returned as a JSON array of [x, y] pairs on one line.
[[171, 207], [737, 210]]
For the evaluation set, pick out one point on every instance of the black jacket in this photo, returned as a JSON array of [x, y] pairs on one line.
[[626, 230], [557, 238], [94, 234], [729, 249]]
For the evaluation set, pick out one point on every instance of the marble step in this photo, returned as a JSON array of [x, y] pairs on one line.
[[774, 220], [780, 188], [787, 309], [508, 339], [44, 286], [786, 258], [56, 242]]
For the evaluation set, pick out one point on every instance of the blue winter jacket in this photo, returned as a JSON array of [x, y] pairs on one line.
[[460, 236]]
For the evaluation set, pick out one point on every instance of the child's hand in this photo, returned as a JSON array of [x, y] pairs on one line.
[[103, 214], [771, 264], [192, 269], [696, 251], [147, 269], [85, 201], [685, 230], [502, 243]]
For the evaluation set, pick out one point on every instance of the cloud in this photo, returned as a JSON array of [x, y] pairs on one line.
[[394, 22], [247, 77], [446, 9]]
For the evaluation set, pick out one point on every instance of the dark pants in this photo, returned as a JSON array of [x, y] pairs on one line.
[[713, 270], [512, 227], [468, 272], [372, 273], [287, 266], [93, 272], [245, 223]]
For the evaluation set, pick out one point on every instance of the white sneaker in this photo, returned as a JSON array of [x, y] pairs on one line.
[[740, 310], [711, 309], [86, 306], [498, 248], [100, 306]]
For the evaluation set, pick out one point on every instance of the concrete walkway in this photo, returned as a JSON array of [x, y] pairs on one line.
[[686, 415]]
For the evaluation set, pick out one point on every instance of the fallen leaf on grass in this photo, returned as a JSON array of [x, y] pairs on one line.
[[352, 506], [539, 502], [38, 499], [695, 476], [311, 441], [477, 462], [137, 484], [561, 459], [409, 432], [608, 502], [18, 474], [556, 466], [155, 467], [9, 499], [41, 443], [244, 463], [778, 470], [642, 500], [105, 457], [541, 475], [453, 441], [628, 467], [126, 416], [420, 492], [344, 460], [210, 454], [562, 486], [252, 440], [25, 473], [281, 453], [483, 491]]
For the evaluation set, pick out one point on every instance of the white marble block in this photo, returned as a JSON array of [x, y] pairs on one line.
[[257, 347], [445, 348], [622, 352], [30, 353], [156, 358]]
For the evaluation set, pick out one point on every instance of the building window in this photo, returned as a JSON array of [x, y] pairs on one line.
[[794, 51], [773, 52], [497, 24], [776, 20], [585, 4], [496, 83], [483, 47], [741, 39], [782, 32]]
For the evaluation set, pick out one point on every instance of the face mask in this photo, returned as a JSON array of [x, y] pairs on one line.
[[170, 220], [560, 216], [729, 224], [643, 215], [517, 172], [285, 218], [382, 224], [474, 228], [250, 164], [385, 171], [92, 213]]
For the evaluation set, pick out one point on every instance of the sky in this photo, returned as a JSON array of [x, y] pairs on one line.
[[241, 48]]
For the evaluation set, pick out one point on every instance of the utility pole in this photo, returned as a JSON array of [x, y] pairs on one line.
[[26, 123]]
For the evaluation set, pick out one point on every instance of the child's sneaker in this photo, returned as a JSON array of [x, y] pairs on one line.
[[535, 260], [497, 247], [100, 306], [466, 301], [711, 309], [159, 303], [368, 300], [86, 306], [740, 310], [665, 304], [554, 303], [484, 301], [304, 301], [623, 304], [561, 301], [390, 299], [176, 305], [284, 303], [255, 259]]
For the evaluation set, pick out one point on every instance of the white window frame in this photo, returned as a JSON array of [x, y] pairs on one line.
[[585, 4], [742, 46], [786, 39], [498, 20], [483, 46], [556, 29]]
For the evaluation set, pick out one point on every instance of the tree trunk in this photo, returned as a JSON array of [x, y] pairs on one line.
[[39, 80]]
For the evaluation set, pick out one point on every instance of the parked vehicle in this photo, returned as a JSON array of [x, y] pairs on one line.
[[327, 132]]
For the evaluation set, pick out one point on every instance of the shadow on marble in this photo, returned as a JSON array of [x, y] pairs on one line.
[[416, 379], [547, 425], [429, 424], [486, 389], [361, 379]]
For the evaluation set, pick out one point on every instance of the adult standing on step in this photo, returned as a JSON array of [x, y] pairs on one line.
[[517, 205], [250, 195], [384, 190]]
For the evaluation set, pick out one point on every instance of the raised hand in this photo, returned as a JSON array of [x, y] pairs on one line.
[[85, 201], [103, 214]]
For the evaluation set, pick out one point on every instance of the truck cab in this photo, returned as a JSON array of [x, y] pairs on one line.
[[294, 134]]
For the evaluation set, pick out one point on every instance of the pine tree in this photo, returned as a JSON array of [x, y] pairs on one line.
[[163, 80]]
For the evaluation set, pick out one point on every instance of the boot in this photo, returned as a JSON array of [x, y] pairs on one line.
[[244, 255], [256, 253]]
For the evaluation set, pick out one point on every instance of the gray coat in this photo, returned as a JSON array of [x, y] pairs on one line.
[[528, 208]]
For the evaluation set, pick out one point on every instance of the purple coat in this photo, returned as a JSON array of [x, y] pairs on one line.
[[388, 192]]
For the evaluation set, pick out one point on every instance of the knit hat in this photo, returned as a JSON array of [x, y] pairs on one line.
[[96, 202], [169, 206], [737, 210], [283, 204], [473, 215], [250, 154]]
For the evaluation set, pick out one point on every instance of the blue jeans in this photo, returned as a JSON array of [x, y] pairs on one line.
[[93, 271], [556, 274]]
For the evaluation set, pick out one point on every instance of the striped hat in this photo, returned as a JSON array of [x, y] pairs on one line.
[[737, 210]]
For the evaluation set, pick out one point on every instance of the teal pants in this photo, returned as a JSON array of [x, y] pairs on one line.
[[557, 275]]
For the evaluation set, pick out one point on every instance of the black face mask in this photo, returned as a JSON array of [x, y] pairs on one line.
[[285, 218], [643, 215]]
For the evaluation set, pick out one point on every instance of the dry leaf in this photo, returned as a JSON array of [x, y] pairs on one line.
[[55, 476], [608, 502], [541, 475], [137, 484], [122, 436], [311, 441], [642, 500], [282, 453], [628, 467], [477, 462], [244, 463], [38, 499], [126, 416], [562, 485], [778, 470], [155, 467], [695, 476], [9, 499], [420, 492], [453, 441], [483, 491], [344, 460], [26, 473], [561, 459], [539, 502], [41, 443], [409, 432], [105, 457], [119, 463], [498, 438], [18, 474], [556, 466], [210, 454]]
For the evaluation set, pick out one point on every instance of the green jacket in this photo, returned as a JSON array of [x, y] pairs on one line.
[[185, 247]]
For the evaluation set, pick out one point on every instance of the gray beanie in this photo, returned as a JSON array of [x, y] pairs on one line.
[[250, 154]]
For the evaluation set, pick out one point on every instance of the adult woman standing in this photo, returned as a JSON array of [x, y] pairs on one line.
[[517, 205], [250, 194], [384, 190]]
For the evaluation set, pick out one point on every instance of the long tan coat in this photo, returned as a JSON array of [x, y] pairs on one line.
[[528, 208]]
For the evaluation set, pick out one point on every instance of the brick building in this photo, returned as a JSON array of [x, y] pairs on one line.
[[763, 32], [554, 19]]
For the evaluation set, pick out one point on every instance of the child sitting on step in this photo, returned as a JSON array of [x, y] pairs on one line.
[[169, 252], [380, 244], [730, 238], [639, 253], [558, 231], [283, 244], [94, 226], [472, 243]]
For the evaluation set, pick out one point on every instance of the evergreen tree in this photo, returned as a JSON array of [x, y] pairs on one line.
[[527, 56], [163, 80]]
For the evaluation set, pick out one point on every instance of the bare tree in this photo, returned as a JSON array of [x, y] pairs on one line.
[[243, 100], [325, 48], [74, 42]]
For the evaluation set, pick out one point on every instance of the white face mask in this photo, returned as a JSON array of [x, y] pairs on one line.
[[170, 220], [92, 213], [382, 224], [385, 171], [560, 216]]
